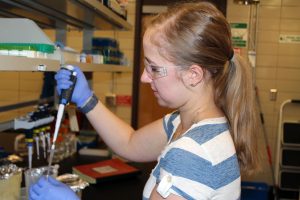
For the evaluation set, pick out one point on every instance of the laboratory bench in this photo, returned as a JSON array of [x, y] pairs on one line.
[[129, 188]]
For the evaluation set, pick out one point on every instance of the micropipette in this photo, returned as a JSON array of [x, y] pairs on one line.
[[43, 139], [29, 141], [36, 138], [64, 99]]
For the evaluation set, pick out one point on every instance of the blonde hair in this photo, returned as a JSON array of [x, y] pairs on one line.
[[198, 33]]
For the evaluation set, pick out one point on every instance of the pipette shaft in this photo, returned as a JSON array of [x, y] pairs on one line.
[[59, 116], [65, 98], [36, 138]]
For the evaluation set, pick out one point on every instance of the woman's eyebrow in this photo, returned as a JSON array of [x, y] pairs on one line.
[[149, 61]]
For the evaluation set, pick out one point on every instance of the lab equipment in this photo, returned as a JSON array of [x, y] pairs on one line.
[[29, 142], [43, 139], [65, 98], [82, 91], [34, 174], [74, 182], [33, 42], [48, 139], [37, 140], [10, 182]]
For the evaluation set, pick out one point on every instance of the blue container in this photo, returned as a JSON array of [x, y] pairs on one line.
[[255, 191]]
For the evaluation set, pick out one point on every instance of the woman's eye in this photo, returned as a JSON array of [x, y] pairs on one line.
[[155, 69]]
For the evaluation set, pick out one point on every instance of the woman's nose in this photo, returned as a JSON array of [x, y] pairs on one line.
[[145, 77]]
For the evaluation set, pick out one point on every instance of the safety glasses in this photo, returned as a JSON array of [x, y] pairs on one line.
[[155, 72]]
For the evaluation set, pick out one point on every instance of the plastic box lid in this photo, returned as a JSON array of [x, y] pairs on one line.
[[23, 34]]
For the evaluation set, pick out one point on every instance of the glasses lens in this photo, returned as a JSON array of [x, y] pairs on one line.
[[158, 72], [155, 72]]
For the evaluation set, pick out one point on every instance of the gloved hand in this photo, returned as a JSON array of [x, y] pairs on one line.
[[81, 91], [51, 189]]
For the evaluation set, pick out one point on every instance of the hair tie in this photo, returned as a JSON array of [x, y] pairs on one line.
[[231, 54]]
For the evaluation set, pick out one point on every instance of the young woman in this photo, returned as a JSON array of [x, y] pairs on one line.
[[204, 146]]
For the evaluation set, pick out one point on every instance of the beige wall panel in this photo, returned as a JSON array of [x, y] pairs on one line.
[[270, 3], [266, 61], [6, 116], [290, 24], [269, 12], [50, 33], [28, 96], [7, 96], [288, 86], [101, 91], [123, 89], [9, 84], [265, 73], [238, 11], [268, 36], [269, 24], [288, 74], [265, 85], [126, 43], [131, 8], [129, 55], [264, 48], [289, 50], [102, 88], [102, 77], [123, 112], [282, 96], [131, 20], [290, 12], [30, 85], [74, 40], [269, 120], [108, 34], [290, 2], [264, 97], [125, 34], [123, 78], [289, 61], [233, 19], [32, 75], [9, 75]]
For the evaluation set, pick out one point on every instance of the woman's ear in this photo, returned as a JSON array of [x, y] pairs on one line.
[[196, 75]]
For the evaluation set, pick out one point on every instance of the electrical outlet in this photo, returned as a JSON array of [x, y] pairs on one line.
[[110, 100], [273, 94]]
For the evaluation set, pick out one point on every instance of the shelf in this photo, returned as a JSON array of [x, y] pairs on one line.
[[88, 67], [17, 63]]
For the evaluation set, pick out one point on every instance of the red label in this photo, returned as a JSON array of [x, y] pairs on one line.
[[123, 100]]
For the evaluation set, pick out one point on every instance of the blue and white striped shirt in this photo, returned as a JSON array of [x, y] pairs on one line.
[[201, 164]]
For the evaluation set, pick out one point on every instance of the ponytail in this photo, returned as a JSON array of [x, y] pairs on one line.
[[235, 94]]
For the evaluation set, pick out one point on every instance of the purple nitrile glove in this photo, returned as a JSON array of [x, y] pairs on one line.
[[50, 189], [82, 91]]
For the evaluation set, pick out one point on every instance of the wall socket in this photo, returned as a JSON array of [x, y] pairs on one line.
[[273, 94], [110, 100]]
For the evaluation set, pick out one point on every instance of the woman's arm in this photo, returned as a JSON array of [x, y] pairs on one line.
[[144, 144]]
